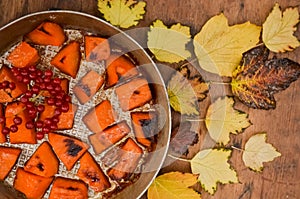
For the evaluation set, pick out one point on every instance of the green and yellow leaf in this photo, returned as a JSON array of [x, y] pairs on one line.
[[257, 151], [219, 47], [213, 167], [222, 119], [122, 13], [169, 44], [278, 29], [173, 185]]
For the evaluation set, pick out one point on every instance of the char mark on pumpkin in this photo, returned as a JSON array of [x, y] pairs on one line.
[[85, 88], [40, 166], [42, 29], [72, 188], [73, 149]]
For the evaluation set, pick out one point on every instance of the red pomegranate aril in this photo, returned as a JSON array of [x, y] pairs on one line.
[[39, 80], [42, 86], [50, 101], [24, 72], [5, 130], [59, 96], [12, 85], [29, 94], [29, 125], [48, 73], [13, 128], [39, 72], [57, 88], [57, 111], [65, 107], [56, 80], [15, 70], [58, 103], [53, 92], [47, 122], [53, 127], [67, 98], [5, 84], [24, 99], [39, 124], [55, 119], [2, 119], [40, 108], [17, 120], [32, 68], [1, 87], [32, 76], [47, 79], [32, 112], [26, 80], [35, 89], [19, 78], [45, 130], [49, 87], [29, 104], [40, 135]]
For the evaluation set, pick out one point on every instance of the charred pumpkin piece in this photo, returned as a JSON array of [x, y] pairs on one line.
[[23, 135], [67, 60], [100, 117], [66, 120], [133, 94], [96, 48], [64, 86], [88, 85], [64, 188], [144, 125], [103, 140], [131, 154], [23, 55], [8, 158], [68, 149], [47, 33], [119, 68], [91, 173], [9, 95], [43, 162], [33, 186], [2, 136]]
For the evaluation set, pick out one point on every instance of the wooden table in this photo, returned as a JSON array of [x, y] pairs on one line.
[[280, 179]]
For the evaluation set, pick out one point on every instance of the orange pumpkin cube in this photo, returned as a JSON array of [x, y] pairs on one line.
[[8, 158]]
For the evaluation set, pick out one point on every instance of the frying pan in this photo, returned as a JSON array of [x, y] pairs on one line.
[[13, 32]]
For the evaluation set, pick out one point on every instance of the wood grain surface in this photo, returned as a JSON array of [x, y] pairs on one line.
[[280, 178]]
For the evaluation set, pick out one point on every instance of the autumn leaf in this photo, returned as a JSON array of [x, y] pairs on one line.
[[222, 119], [258, 151], [219, 47], [213, 167], [278, 29], [182, 137], [169, 44], [173, 185], [258, 78], [122, 13], [181, 95]]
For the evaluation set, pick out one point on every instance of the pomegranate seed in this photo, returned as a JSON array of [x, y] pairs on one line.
[[49, 87], [55, 119], [32, 76], [47, 122], [57, 88], [56, 80], [39, 124], [24, 99], [45, 130], [39, 73], [26, 80], [29, 94], [17, 120], [13, 128], [67, 98], [57, 111], [32, 68], [47, 79], [58, 103], [39, 80], [65, 107], [40, 135], [40, 108], [15, 70], [5, 84], [2, 119], [42, 86], [29, 104], [29, 125], [1, 87], [35, 89], [50, 101], [5, 130], [12, 85], [24, 72], [19, 78], [48, 73], [53, 127]]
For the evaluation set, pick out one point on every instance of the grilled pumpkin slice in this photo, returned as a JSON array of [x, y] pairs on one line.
[[100, 117], [96, 48], [23, 135], [68, 149], [91, 173], [119, 68], [43, 162], [47, 33], [103, 140], [127, 163], [88, 85], [67, 60], [134, 94], [8, 158], [64, 188], [23, 56], [33, 186], [9, 95]]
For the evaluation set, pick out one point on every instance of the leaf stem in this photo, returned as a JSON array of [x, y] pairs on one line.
[[189, 62], [195, 120], [177, 158], [219, 83], [236, 148]]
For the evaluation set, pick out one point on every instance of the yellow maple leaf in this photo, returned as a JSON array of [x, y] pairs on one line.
[[173, 185], [213, 167], [122, 13], [219, 47], [258, 151], [169, 44], [222, 119], [278, 29]]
